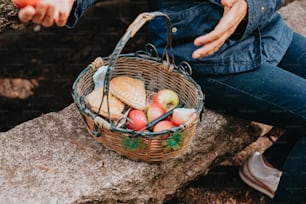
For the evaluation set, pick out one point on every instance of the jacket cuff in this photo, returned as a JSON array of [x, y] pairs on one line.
[[259, 13], [79, 8]]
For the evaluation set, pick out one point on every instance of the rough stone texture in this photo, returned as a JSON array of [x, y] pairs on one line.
[[8, 17], [295, 15], [52, 159]]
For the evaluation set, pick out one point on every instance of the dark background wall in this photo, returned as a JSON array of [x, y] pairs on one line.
[[38, 66]]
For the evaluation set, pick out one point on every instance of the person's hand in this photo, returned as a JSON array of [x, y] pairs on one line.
[[47, 12], [234, 12]]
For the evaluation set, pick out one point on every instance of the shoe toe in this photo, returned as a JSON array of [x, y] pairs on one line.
[[258, 175]]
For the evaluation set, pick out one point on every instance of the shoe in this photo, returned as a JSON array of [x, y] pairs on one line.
[[259, 176]]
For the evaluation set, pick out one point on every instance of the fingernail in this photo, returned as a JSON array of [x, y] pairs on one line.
[[195, 56]]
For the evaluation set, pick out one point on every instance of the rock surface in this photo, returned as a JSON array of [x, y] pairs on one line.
[[8, 17], [295, 15], [52, 159]]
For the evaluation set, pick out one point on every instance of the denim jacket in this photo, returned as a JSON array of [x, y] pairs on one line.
[[263, 37]]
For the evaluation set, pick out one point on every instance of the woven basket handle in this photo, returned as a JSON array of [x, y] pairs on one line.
[[130, 32], [133, 29]]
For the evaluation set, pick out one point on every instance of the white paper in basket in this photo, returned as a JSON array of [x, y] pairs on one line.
[[99, 77]]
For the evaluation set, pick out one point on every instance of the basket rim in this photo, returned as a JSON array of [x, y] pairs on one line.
[[92, 115]]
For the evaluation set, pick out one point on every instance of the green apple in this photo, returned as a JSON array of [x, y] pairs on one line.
[[167, 99]]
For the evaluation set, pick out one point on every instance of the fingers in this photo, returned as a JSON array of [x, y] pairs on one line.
[[40, 12], [231, 19], [212, 41], [228, 3], [26, 14], [62, 19], [47, 12], [66, 6], [50, 17], [211, 47]]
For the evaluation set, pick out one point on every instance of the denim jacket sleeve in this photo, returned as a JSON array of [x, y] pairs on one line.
[[78, 10], [260, 13]]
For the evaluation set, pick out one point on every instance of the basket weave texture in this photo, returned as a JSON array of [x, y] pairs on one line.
[[156, 74]]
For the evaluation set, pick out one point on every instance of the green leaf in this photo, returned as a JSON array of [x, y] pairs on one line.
[[174, 142], [133, 143], [177, 137]]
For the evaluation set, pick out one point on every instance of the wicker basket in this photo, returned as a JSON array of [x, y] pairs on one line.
[[156, 74]]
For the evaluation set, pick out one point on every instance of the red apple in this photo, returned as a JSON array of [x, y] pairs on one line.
[[167, 99], [163, 125], [138, 118], [182, 115], [24, 3], [154, 111], [169, 118]]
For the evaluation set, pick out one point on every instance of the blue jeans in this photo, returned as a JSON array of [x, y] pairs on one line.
[[274, 95]]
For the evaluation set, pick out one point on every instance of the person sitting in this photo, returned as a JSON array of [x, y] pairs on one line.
[[248, 62]]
